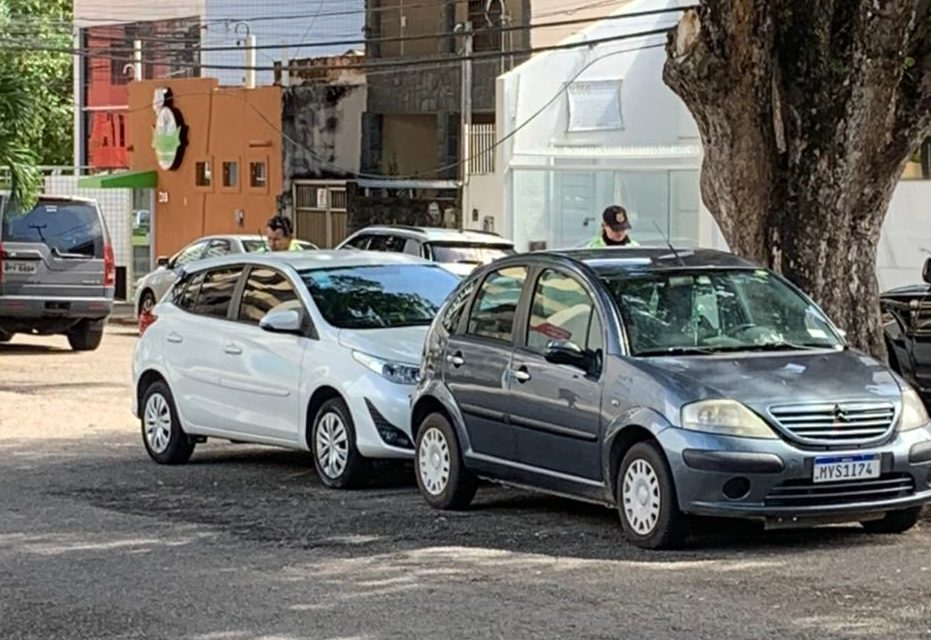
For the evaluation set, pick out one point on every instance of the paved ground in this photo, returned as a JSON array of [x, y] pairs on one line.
[[244, 542]]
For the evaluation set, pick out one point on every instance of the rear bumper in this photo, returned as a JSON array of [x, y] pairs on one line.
[[28, 308]]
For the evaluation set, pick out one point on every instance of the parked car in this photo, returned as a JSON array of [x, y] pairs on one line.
[[668, 385], [151, 287], [907, 325], [457, 251], [315, 351], [57, 271]]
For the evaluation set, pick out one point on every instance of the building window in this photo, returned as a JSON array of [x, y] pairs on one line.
[[230, 174], [258, 174], [202, 174], [486, 25]]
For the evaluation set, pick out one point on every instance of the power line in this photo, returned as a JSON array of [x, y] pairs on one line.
[[439, 171], [399, 63]]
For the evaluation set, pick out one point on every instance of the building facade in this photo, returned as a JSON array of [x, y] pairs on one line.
[[186, 38]]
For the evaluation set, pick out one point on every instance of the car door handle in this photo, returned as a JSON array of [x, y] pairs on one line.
[[233, 350], [521, 375], [456, 360], [175, 338]]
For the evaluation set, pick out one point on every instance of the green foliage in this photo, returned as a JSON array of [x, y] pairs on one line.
[[36, 102]]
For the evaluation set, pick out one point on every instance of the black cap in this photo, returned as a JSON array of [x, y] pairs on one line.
[[615, 217]]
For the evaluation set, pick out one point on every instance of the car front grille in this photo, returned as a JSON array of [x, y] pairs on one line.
[[832, 424], [804, 493]]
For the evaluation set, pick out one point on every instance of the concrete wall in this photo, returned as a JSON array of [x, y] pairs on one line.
[[906, 237], [486, 195], [548, 11], [89, 13], [408, 143]]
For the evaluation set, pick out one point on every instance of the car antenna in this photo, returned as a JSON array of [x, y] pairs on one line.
[[669, 244]]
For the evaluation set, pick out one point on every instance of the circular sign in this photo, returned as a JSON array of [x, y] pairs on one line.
[[166, 137]]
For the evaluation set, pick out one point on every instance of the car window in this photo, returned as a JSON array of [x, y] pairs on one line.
[[361, 242], [457, 307], [217, 248], [185, 294], [468, 253], [266, 289], [189, 254], [70, 228], [561, 309], [717, 310], [254, 246], [216, 292], [382, 296], [387, 243], [413, 247], [493, 311]]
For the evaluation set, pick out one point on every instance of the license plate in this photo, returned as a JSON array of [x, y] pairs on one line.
[[17, 266], [841, 468]]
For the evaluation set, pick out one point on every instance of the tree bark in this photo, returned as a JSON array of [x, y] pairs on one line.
[[808, 111]]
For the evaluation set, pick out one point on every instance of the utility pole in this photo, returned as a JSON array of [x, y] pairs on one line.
[[137, 60], [250, 61], [466, 106]]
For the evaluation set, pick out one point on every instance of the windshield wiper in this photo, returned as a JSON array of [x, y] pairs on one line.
[[774, 346], [677, 351]]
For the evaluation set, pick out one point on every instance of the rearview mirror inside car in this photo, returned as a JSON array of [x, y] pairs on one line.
[[568, 353], [926, 272], [162, 261], [285, 321]]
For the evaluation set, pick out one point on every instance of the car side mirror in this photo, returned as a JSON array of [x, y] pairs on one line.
[[285, 321], [568, 353], [162, 261], [926, 272]]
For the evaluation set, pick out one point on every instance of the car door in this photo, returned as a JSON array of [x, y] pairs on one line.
[[261, 372], [555, 408], [216, 248], [478, 359], [195, 347], [160, 280]]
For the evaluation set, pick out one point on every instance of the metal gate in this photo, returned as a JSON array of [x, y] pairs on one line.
[[320, 212]]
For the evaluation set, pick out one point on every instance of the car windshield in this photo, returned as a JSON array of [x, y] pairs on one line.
[[379, 297], [67, 228], [254, 246], [714, 311], [465, 253]]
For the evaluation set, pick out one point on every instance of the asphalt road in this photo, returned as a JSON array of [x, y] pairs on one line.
[[96, 541]]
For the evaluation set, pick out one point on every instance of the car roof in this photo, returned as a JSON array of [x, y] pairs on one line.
[[439, 234], [304, 260], [651, 258]]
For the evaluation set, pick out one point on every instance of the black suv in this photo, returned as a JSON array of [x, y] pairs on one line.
[[57, 271], [907, 324]]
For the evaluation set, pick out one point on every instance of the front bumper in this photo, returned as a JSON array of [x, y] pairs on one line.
[[777, 477], [380, 411]]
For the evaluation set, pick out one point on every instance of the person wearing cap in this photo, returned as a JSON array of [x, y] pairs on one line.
[[279, 234], [615, 229]]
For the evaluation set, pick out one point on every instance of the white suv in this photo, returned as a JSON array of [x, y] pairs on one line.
[[317, 351], [457, 251]]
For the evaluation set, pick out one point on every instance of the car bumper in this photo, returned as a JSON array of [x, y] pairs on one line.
[[78, 308], [778, 478], [381, 413]]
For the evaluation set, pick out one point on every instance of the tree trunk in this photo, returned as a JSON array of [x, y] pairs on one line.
[[808, 111]]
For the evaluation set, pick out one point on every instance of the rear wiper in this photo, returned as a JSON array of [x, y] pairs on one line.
[[677, 351]]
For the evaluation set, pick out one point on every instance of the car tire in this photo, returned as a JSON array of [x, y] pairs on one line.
[[647, 501], [86, 336], [146, 304], [333, 445], [162, 433], [894, 521], [444, 481]]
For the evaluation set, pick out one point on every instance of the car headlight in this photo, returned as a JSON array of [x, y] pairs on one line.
[[397, 372], [914, 414], [726, 418]]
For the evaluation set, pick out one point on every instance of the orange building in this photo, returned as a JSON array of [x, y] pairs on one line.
[[223, 172]]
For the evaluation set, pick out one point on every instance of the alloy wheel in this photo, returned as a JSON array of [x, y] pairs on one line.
[[332, 445], [433, 459], [641, 497], [157, 423]]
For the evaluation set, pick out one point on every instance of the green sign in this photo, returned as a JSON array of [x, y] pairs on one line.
[[168, 135]]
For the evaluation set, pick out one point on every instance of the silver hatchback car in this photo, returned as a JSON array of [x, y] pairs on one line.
[[669, 385]]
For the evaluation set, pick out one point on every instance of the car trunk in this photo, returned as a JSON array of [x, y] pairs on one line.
[[57, 250]]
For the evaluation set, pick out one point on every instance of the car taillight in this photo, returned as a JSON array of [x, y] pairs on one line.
[[146, 320], [109, 266]]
